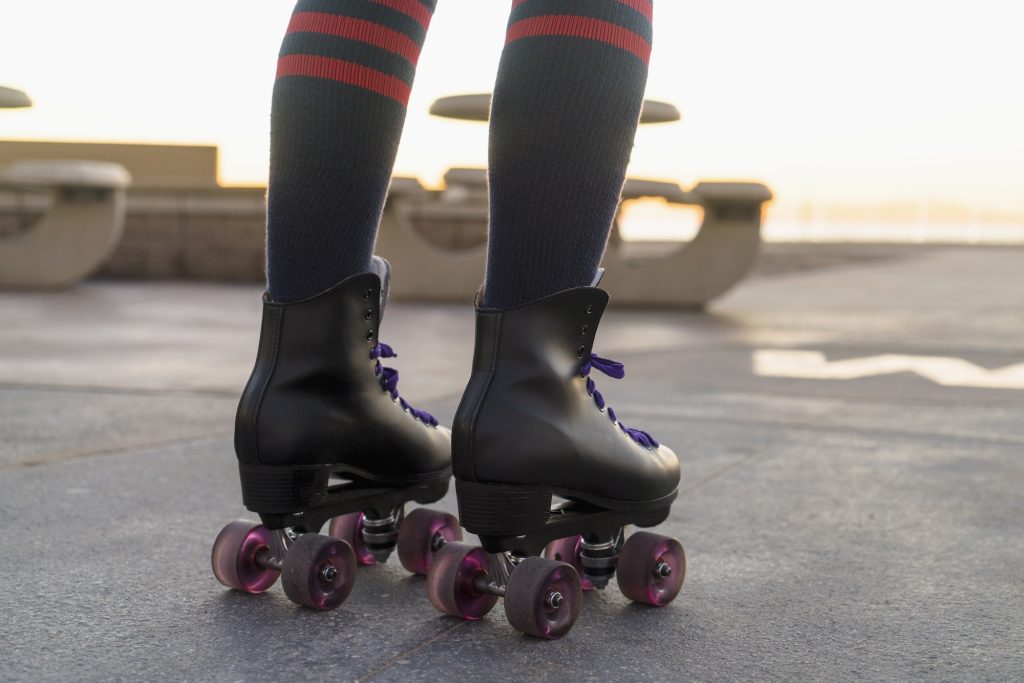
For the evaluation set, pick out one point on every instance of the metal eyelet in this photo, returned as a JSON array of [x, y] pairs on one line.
[[369, 314], [366, 294], [369, 336], [590, 309], [584, 329], [580, 352]]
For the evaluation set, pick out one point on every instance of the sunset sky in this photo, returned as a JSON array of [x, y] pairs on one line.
[[875, 102]]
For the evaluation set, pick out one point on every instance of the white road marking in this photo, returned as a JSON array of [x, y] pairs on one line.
[[943, 370]]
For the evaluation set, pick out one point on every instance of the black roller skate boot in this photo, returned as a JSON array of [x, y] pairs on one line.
[[531, 427], [322, 434]]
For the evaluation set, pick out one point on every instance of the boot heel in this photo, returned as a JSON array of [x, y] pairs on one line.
[[502, 509], [274, 490]]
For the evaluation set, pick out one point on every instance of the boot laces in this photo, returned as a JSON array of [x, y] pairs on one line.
[[388, 378], [615, 370]]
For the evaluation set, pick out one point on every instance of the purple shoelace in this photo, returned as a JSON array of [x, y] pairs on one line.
[[615, 370], [388, 378]]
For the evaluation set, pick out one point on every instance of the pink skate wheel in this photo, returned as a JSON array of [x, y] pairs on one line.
[[651, 568], [424, 532], [568, 550], [319, 571], [349, 528], [543, 598], [236, 557], [453, 581]]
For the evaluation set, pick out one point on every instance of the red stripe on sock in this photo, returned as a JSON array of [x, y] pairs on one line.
[[581, 27], [356, 29], [644, 7], [411, 8], [350, 73]]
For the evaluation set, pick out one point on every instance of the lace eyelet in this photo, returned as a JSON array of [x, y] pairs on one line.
[[584, 329], [369, 336], [581, 351], [366, 294], [590, 309], [369, 314]]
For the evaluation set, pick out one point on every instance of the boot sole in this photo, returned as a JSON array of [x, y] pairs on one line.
[[520, 518], [304, 497]]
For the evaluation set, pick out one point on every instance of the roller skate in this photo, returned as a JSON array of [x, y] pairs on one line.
[[322, 435], [548, 477]]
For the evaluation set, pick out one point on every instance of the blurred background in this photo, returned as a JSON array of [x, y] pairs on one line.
[[878, 121]]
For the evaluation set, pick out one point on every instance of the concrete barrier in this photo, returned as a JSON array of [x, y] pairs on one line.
[[435, 238]]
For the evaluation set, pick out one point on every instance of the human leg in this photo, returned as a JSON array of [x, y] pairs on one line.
[[565, 110], [344, 75]]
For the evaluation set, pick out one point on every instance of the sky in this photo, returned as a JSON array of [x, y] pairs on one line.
[[877, 103]]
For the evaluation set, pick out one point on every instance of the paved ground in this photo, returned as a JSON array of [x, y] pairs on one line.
[[867, 528]]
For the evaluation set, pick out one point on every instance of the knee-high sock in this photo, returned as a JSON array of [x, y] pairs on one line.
[[565, 109], [343, 80]]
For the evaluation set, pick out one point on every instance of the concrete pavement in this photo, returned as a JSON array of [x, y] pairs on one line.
[[853, 529]]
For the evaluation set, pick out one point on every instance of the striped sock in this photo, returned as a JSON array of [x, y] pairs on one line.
[[563, 118], [343, 80]]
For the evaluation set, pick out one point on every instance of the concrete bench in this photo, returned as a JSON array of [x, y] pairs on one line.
[[78, 230], [689, 274], [437, 242]]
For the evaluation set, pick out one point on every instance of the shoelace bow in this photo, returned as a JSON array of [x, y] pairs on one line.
[[615, 370], [388, 378]]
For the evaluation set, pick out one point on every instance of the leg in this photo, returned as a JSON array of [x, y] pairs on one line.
[[566, 106], [343, 81]]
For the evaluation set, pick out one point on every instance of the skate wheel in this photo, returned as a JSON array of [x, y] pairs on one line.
[[543, 598], [424, 532], [319, 571], [651, 568], [451, 581], [349, 528], [235, 557], [568, 550]]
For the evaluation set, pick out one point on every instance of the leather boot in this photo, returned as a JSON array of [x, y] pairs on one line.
[[532, 420], [319, 402]]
